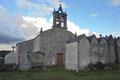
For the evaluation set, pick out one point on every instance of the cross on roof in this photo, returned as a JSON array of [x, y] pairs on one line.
[[13, 47], [60, 8]]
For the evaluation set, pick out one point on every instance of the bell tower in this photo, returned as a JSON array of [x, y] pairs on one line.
[[59, 18]]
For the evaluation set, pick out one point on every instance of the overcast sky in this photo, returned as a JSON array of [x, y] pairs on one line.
[[22, 19]]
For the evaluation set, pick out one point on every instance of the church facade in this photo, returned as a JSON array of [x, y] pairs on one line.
[[58, 46], [48, 48]]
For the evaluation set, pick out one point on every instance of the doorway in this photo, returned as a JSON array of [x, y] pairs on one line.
[[60, 59]]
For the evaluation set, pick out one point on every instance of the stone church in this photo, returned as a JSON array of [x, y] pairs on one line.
[[58, 46], [48, 48]]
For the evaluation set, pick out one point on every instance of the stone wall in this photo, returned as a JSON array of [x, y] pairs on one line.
[[89, 50], [24, 49], [111, 51], [84, 53], [11, 58], [53, 41], [118, 49], [71, 56], [103, 51], [36, 56], [94, 49], [36, 44]]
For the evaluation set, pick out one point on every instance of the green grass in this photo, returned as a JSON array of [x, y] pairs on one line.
[[55, 73]]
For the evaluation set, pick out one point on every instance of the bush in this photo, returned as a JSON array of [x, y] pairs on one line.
[[96, 66], [8, 67]]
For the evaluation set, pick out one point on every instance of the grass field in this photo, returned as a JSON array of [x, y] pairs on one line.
[[55, 73]]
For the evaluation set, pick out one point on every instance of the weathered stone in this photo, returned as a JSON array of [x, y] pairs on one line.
[[11, 58], [83, 52], [118, 49], [23, 50], [111, 50], [52, 42], [78, 54], [94, 49], [71, 56], [103, 51]]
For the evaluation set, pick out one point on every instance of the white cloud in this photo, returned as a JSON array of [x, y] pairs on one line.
[[76, 29], [39, 7], [94, 15], [47, 24], [115, 3], [29, 30], [6, 46], [9, 24], [11, 29], [56, 3], [39, 22], [15, 25]]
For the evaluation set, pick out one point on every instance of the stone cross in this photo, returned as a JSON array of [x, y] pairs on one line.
[[13, 47]]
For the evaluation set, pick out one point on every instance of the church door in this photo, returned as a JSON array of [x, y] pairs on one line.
[[59, 59]]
